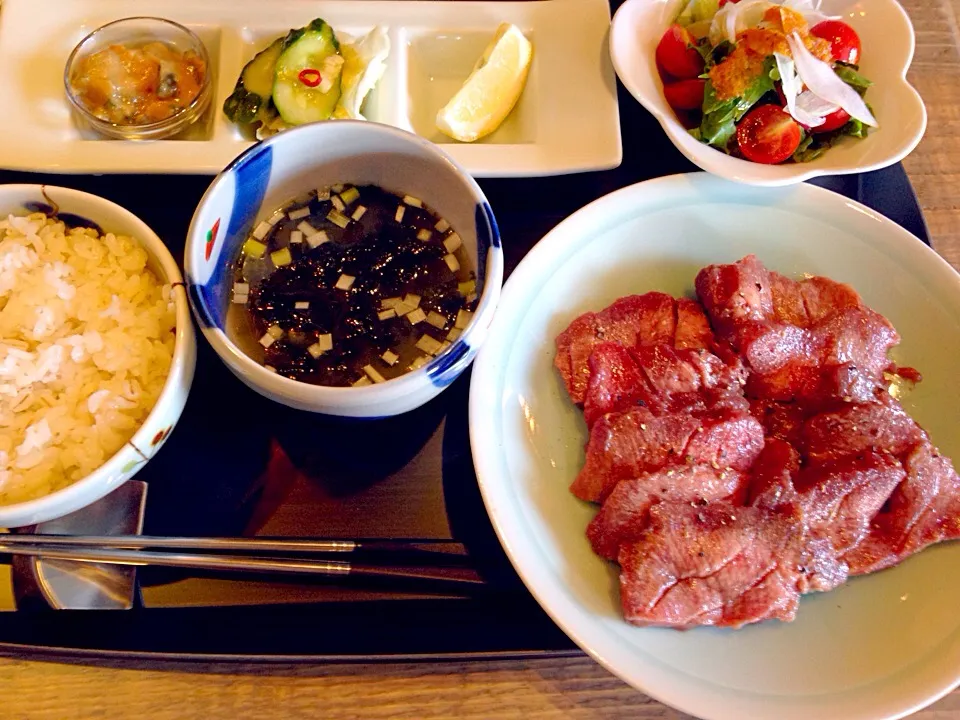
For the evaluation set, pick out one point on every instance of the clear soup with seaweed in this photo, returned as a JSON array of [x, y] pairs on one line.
[[349, 286]]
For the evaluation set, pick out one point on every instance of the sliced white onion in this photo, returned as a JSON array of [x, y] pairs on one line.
[[820, 79], [810, 9], [791, 86], [734, 18], [813, 104]]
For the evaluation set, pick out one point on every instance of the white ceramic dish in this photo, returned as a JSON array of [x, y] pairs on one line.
[[888, 44], [290, 164], [434, 45], [155, 430], [879, 647]]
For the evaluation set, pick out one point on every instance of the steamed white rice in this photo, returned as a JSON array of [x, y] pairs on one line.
[[86, 342]]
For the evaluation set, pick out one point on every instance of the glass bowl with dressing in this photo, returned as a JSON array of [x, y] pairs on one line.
[[139, 78]]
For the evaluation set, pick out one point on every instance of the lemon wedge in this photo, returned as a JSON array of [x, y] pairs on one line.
[[492, 89]]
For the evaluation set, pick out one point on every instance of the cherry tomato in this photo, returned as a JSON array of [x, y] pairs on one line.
[[834, 121], [724, 2], [768, 135], [685, 94], [690, 119], [664, 75], [844, 41], [677, 55]]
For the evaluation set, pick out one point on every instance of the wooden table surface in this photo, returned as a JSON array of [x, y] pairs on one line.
[[573, 688]]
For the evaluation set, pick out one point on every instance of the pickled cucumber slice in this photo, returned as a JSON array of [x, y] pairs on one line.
[[307, 80], [250, 100]]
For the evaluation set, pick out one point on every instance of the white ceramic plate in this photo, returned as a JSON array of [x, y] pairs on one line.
[[887, 37], [434, 46], [878, 647]]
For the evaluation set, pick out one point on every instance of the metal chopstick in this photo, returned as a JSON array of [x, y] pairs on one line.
[[242, 544], [125, 556]]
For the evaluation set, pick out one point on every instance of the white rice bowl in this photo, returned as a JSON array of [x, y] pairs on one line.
[[86, 343]]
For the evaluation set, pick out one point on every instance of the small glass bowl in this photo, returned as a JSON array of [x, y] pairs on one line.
[[137, 31]]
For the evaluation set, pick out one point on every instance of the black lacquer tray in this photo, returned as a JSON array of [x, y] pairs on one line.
[[240, 465]]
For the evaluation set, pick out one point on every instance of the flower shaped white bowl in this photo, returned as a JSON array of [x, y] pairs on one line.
[[154, 431], [888, 44]]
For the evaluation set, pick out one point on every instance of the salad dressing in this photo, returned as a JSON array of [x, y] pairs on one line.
[[769, 81]]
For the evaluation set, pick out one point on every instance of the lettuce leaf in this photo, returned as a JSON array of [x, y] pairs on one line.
[[813, 146], [698, 11], [849, 74], [721, 116]]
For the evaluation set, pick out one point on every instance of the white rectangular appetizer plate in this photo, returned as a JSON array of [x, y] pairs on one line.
[[566, 121]]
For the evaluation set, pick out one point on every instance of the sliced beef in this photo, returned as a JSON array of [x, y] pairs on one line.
[[821, 569], [693, 329], [854, 336], [772, 475], [712, 565], [770, 347], [780, 420], [834, 357], [625, 445], [801, 340], [727, 438], [806, 302], [735, 295], [856, 428], [660, 378], [722, 565], [688, 378], [633, 320], [813, 384], [675, 375], [823, 296], [746, 291], [787, 301], [616, 382], [841, 497], [630, 443], [723, 510], [924, 509], [625, 513]]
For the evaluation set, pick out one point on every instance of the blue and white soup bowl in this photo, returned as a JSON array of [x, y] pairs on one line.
[[272, 173]]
